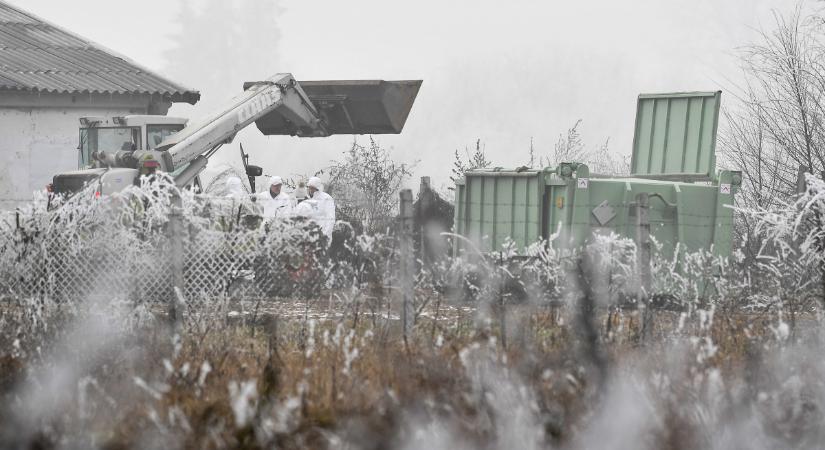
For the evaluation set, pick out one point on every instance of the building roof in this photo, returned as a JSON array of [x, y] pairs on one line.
[[38, 56]]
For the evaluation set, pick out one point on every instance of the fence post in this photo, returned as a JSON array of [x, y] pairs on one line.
[[407, 259], [502, 312], [176, 258], [643, 256], [424, 205], [643, 240]]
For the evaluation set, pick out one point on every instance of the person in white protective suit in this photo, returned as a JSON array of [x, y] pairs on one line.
[[300, 194], [234, 187], [233, 205], [319, 207], [275, 202]]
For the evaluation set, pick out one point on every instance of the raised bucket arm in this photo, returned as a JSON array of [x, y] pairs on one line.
[[283, 106], [280, 95]]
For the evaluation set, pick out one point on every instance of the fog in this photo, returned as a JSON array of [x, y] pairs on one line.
[[502, 72]]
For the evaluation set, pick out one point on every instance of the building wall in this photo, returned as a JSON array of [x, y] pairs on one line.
[[39, 135]]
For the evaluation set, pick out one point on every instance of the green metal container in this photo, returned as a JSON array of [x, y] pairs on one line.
[[570, 205], [674, 190], [495, 206]]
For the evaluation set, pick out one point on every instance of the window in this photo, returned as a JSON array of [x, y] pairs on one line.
[[155, 134], [107, 140]]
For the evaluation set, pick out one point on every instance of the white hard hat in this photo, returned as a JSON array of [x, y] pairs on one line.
[[276, 180], [315, 182]]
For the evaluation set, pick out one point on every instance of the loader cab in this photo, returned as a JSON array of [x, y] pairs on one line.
[[124, 133]]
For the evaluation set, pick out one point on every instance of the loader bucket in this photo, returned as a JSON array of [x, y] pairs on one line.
[[353, 107]]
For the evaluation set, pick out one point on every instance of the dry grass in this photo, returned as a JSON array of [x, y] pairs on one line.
[[351, 379]]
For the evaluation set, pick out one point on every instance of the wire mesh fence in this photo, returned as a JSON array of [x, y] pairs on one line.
[[124, 246], [153, 243]]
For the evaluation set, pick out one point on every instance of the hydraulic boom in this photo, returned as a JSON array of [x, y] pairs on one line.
[[279, 106]]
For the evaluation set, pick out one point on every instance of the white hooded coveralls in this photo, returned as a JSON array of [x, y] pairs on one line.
[[320, 208], [234, 187], [278, 206]]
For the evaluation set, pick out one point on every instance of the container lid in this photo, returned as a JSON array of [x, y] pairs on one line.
[[675, 135]]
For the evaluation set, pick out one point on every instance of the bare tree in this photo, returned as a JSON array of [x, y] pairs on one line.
[[476, 160], [777, 126], [531, 153], [568, 148], [366, 185], [606, 162], [571, 148]]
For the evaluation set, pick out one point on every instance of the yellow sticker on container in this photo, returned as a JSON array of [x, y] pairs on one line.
[[560, 202]]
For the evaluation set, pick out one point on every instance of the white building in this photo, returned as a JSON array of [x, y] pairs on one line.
[[49, 78]]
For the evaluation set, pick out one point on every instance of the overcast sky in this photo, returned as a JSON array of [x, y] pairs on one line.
[[499, 71]]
